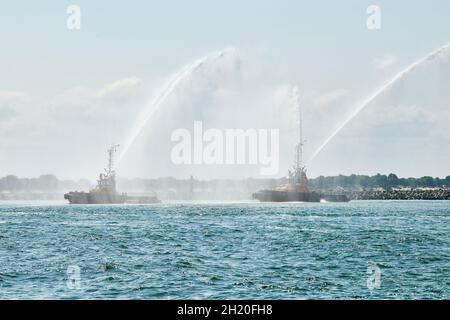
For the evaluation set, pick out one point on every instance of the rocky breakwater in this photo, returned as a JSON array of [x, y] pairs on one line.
[[404, 194]]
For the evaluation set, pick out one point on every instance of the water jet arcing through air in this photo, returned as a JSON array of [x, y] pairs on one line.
[[164, 93], [373, 96]]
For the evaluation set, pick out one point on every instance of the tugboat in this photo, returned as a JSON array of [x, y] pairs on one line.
[[296, 190], [105, 192]]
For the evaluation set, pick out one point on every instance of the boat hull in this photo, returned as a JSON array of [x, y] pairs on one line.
[[296, 196], [94, 198], [286, 196], [106, 198]]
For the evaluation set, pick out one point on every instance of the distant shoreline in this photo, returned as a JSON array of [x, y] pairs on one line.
[[361, 187], [403, 194]]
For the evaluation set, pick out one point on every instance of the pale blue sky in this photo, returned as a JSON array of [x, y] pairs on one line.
[[324, 39]]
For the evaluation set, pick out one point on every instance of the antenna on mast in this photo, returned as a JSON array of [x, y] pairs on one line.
[[111, 151], [298, 165]]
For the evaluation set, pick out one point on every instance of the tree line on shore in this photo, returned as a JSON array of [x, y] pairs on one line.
[[385, 182], [50, 183], [44, 183]]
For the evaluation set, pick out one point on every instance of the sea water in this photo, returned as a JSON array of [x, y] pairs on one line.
[[356, 250]]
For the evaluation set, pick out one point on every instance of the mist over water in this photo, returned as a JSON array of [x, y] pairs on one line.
[[223, 91], [406, 118], [220, 91], [401, 128], [165, 92], [384, 87]]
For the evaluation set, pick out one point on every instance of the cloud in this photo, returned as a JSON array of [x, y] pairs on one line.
[[120, 85], [67, 134], [384, 62], [58, 127], [11, 95], [6, 113], [331, 96], [12, 103]]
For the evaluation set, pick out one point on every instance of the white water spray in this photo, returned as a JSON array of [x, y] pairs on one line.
[[378, 92], [164, 93]]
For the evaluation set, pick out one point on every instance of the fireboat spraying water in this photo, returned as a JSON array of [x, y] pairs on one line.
[[296, 190], [105, 192]]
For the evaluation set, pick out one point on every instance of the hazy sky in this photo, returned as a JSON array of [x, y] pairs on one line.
[[65, 94]]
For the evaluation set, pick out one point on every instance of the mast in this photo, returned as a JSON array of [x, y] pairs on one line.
[[298, 164], [111, 151]]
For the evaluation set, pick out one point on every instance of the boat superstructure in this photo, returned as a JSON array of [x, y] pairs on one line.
[[297, 187], [105, 191]]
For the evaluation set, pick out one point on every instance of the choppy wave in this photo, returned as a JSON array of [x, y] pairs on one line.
[[254, 251]]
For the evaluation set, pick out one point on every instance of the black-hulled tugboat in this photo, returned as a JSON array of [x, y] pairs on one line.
[[105, 192], [296, 190]]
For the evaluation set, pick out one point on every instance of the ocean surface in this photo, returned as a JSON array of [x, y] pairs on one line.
[[356, 250]]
